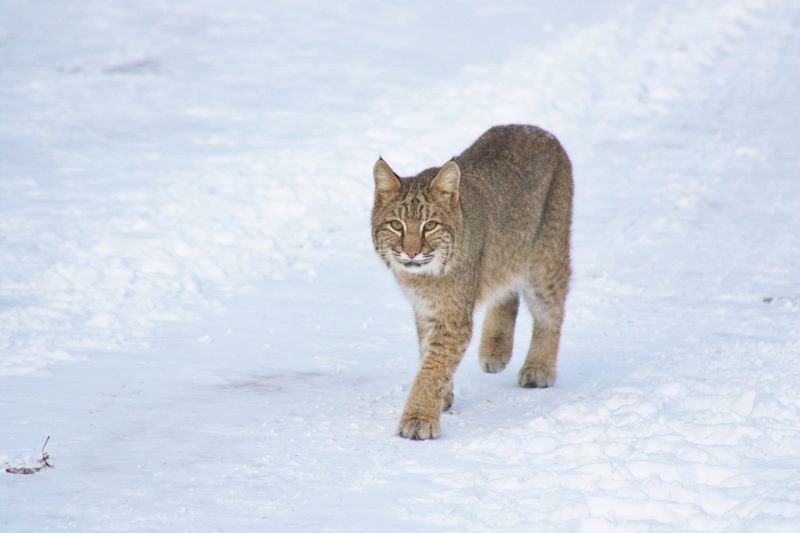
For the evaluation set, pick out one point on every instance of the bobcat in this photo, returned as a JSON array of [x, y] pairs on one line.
[[492, 224]]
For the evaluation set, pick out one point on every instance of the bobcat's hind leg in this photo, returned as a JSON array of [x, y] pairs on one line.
[[547, 307], [549, 281], [497, 337]]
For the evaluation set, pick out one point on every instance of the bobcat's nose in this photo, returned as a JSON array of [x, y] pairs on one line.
[[413, 250]]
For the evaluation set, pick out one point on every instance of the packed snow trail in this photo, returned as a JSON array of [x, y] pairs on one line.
[[191, 307]]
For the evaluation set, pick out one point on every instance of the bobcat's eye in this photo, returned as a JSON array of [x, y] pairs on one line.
[[430, 225], [396, 225]]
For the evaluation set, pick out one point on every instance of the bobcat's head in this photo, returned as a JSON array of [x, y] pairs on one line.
[[416, 221]]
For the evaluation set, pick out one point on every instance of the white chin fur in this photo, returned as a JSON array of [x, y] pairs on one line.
[[430, 268]]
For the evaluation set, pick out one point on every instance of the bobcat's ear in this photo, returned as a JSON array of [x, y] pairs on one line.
[[447, 180], [386, 181]]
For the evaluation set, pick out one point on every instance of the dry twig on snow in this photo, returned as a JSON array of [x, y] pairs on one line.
[[33, 469]]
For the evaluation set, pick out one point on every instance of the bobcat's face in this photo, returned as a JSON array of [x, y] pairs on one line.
[[415, 221]]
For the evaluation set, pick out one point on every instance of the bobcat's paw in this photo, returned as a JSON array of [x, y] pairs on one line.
[[418, 428], [494, 353], [537, 376], [493, 364]]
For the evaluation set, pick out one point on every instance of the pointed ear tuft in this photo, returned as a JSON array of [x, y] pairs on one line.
[[448, 178], [386, 181]]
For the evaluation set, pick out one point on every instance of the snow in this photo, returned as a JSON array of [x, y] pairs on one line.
[[190, 306]]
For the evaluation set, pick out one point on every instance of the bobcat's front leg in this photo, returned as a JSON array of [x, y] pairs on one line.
[[446, 342]]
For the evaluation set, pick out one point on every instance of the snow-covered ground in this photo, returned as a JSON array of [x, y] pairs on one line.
[[190, 306]]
